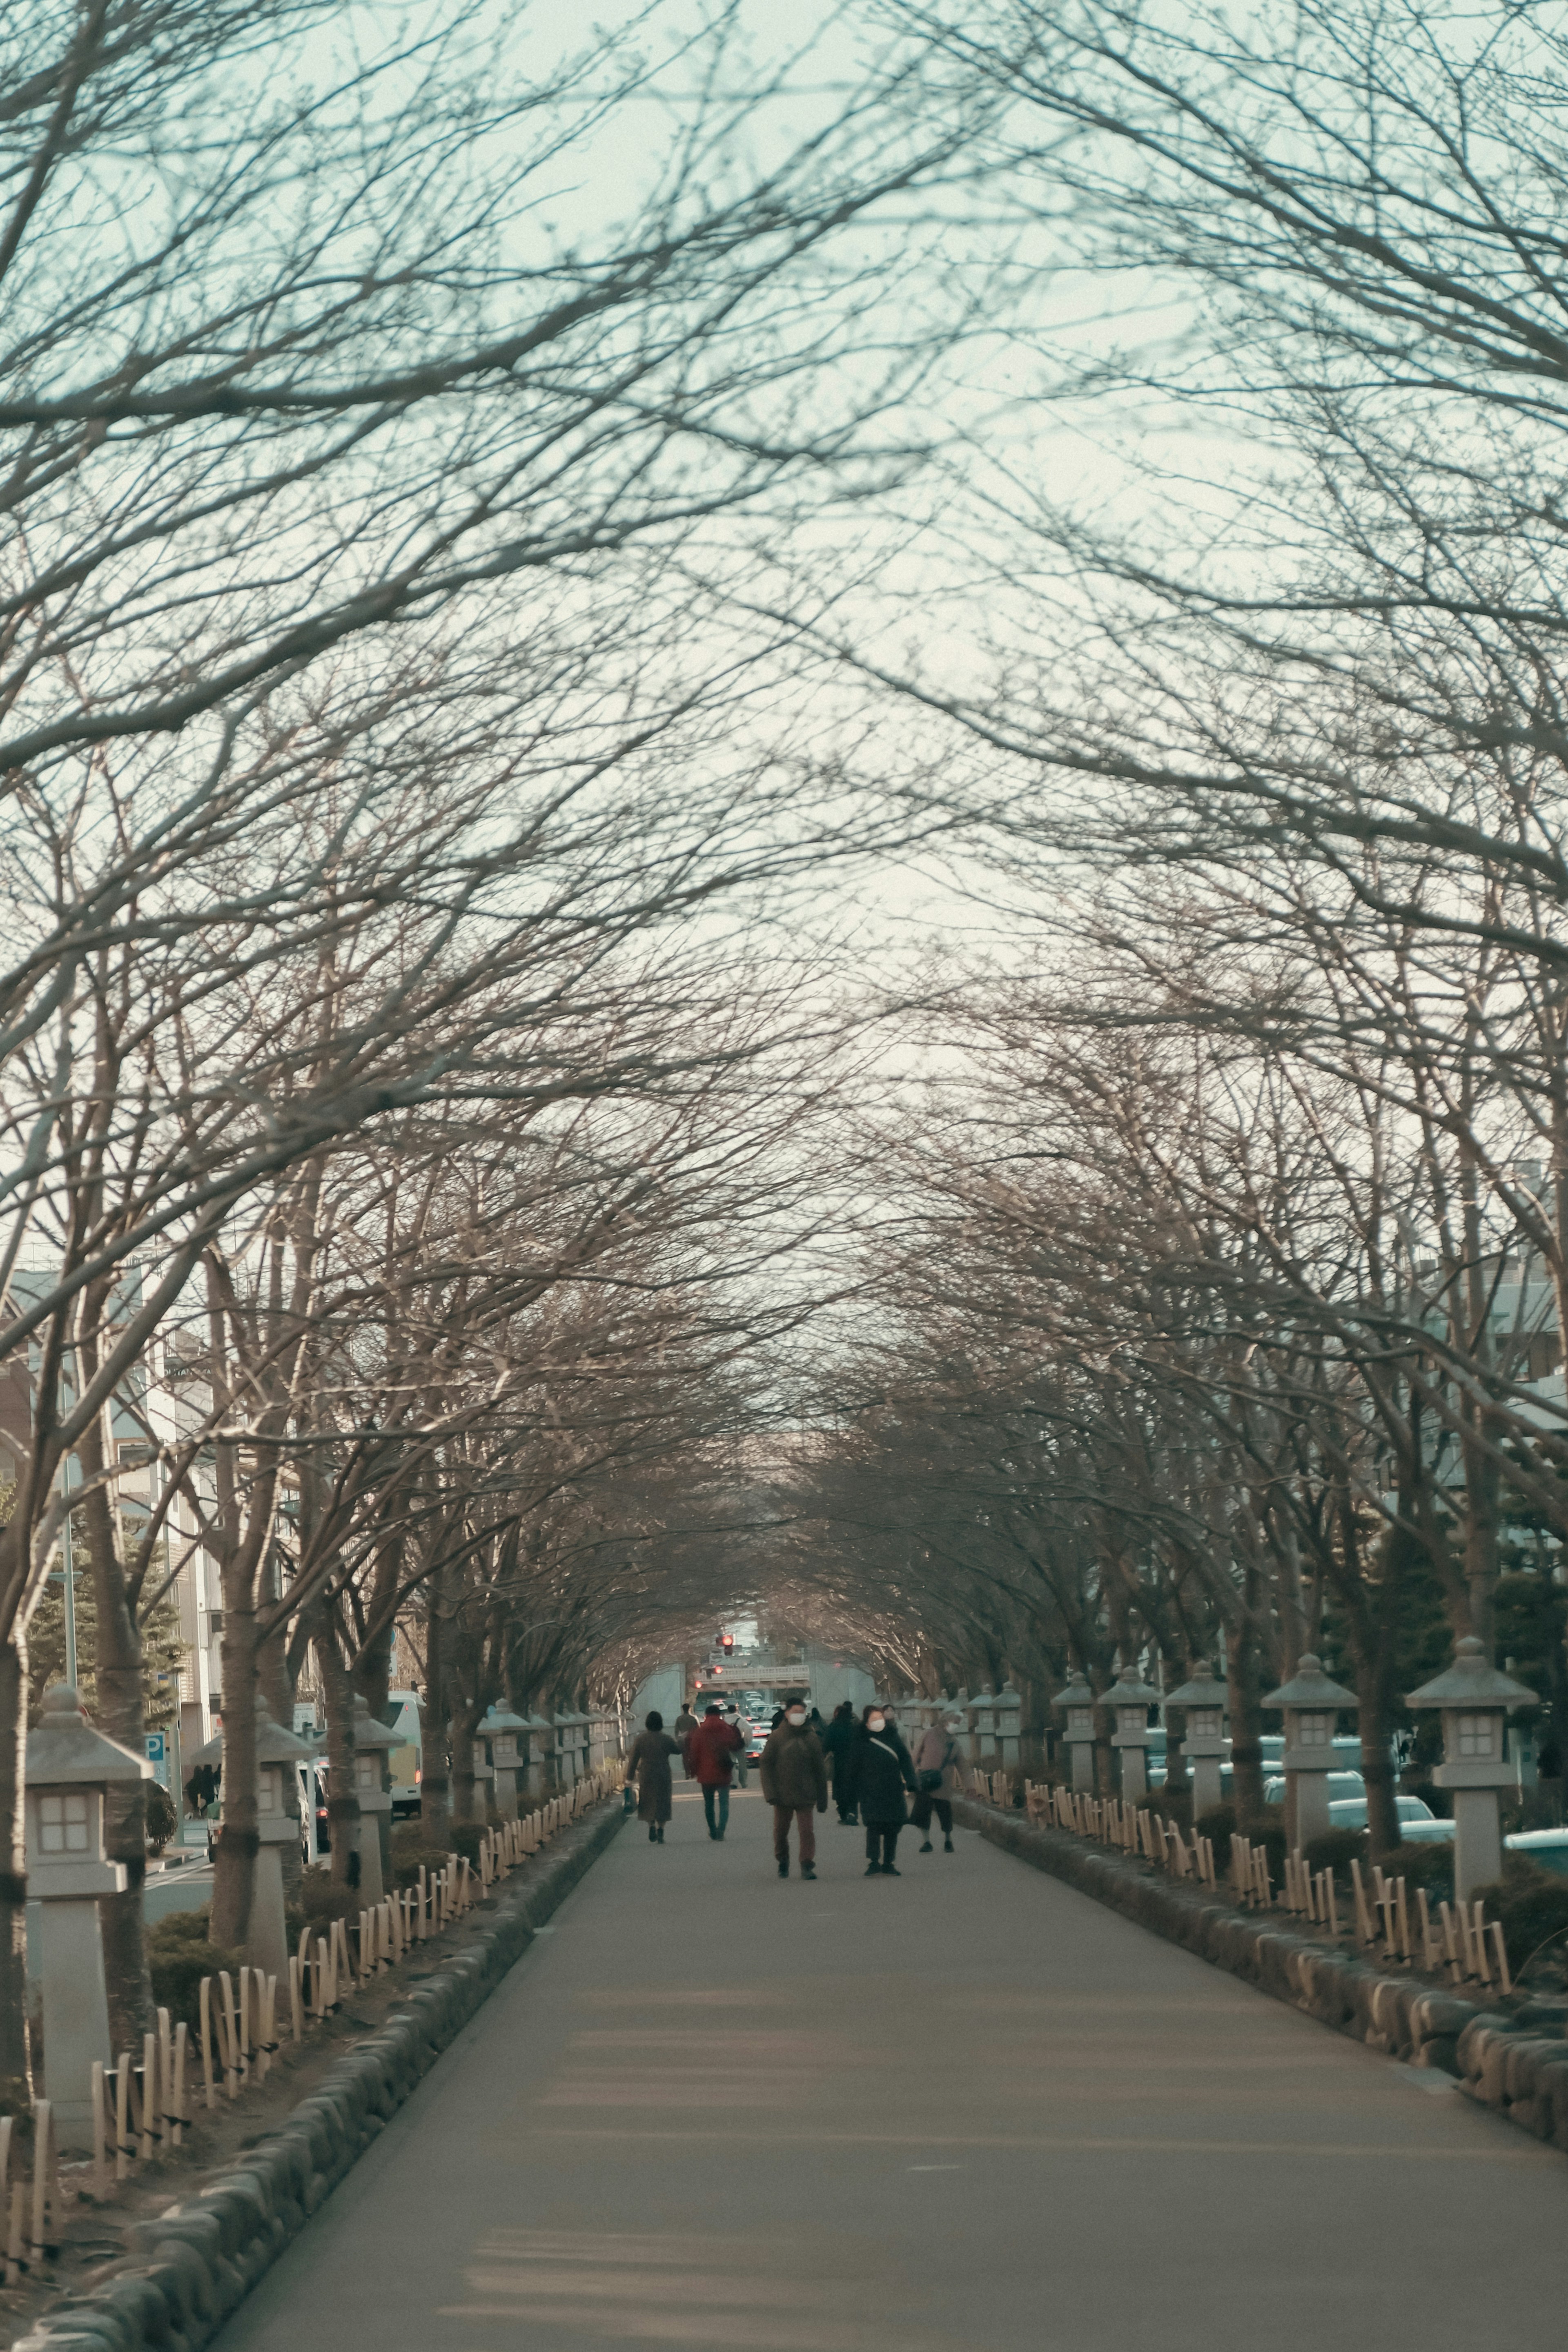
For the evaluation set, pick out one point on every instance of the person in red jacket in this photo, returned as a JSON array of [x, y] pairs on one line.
[[711, 1751]]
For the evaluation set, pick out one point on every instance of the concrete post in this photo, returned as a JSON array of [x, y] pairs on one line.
[[500, 1727], [1130, 1699], [985, 1721], [1077, 1705], [1475, 1702], [69, 1767], [1009, 1716], [1205, 1746], [541, 1743], [1310, 1703]]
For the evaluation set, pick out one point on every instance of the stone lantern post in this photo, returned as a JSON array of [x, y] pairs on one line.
[[541, 1745], [1475, 1702], [1131, 1699], [1009, 1717], [565, 1748], [373, 1741], [1205, 1745], [960, 1706], [69, 1767], [1310, 1703], [1077, 1704], [983, 1714], [277, 1755], [500, 1727]]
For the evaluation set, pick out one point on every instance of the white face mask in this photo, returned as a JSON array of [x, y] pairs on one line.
[[797, 1717], [876, 1722]]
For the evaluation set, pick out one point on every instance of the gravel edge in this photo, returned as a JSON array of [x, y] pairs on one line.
[[1520, 2075], [193, 2264]]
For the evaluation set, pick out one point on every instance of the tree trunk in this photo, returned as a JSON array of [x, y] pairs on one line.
[[465, 1786], [119, 1716], [1246, 1722], [343, 1817], [233, 1875], [435, 1786], [15, 2055]]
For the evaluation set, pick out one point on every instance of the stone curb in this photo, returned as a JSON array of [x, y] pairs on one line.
[[1497, 2060], [193, 2264]]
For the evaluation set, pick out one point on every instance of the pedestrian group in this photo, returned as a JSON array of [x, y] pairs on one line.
[[871, 1771]]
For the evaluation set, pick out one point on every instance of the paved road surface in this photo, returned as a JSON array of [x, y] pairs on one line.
[[962, 2110], [185, 1889]]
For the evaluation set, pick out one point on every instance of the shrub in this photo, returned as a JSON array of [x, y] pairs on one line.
[[162, 1820], [1218, 1825], [316, 1899], [411, 1849], [1532, 1905], [1266, 1829], [467, 1837], [1335, 1850], [1431, 1866], [179, 1956]]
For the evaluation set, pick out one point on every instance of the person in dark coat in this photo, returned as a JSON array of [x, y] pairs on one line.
[[837, 1741], [686, 1724], [880, 1772], [794, 1781], [710, 1752], [649, 1766]]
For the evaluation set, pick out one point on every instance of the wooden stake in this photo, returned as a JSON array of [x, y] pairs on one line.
[[228, 2035], [181, 2042], [1501, 1951], [46, 2182]]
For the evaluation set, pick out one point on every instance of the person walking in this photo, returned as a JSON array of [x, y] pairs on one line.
[[686, 1724], [880, 1772], [733, 1716], [938, 1760], [710, 1755], [649, 1766], [795, 1783], [837, 1741]]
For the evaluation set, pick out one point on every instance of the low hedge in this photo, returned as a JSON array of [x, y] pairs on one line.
[[179, 1956]]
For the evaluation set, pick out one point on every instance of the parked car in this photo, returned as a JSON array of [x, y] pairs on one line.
[[1343, 1788], [1418, 1824], [1547, 1849]]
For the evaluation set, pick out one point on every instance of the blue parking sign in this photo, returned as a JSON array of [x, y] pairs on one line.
[[157, 1747]]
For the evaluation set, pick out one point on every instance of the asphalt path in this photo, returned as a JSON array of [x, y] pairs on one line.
[[963, 2108]]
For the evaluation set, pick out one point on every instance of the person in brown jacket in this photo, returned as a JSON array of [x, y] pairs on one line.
[[795, 1783]]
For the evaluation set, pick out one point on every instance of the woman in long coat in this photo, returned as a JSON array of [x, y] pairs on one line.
[[649, 1766], [879, 1772]]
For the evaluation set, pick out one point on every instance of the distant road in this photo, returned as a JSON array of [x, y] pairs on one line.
[[185, 1889]]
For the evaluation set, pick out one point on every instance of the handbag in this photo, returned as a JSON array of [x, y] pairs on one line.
[[929, 1783]]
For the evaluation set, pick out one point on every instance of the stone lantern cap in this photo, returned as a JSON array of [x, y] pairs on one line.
[[1077, 1694], [1128, 1691], [496, 1721], [66, 1751], [1204, 1690], [268, 1748], [1310, 1688], [370, 1732], [1006, 1697], [1468, 1683]]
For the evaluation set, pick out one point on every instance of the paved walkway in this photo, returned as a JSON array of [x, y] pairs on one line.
[[961, 2110]]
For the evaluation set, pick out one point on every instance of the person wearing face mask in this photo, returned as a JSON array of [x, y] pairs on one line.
[[938, 1760], [879, 1773], [795, 1783]]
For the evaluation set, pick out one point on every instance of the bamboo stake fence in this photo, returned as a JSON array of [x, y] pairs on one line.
[[1386, 1919], [142, 2104]]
